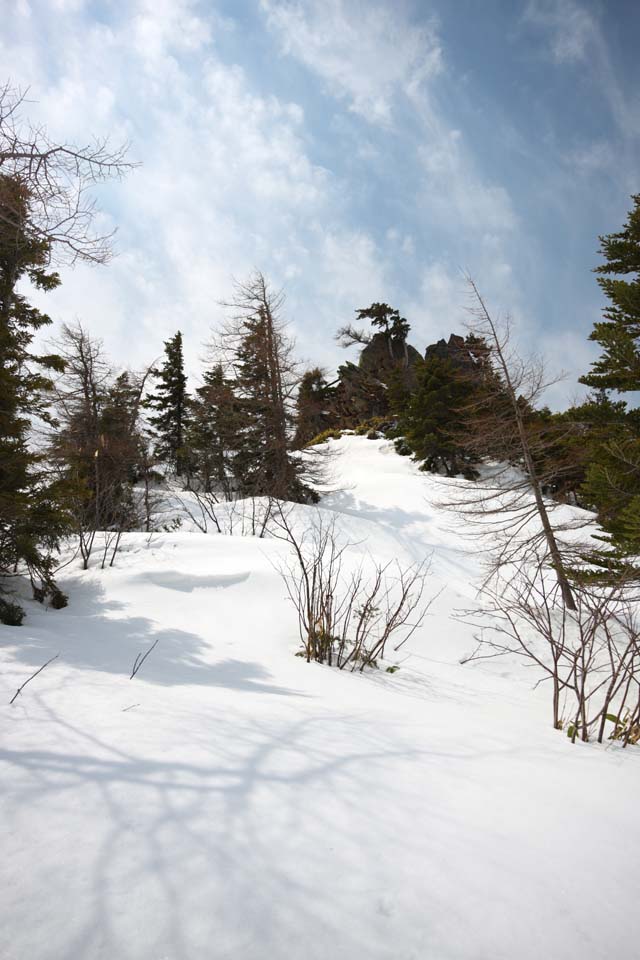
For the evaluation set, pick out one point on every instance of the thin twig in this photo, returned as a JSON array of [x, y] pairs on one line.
[[39, 670], [140, 659]]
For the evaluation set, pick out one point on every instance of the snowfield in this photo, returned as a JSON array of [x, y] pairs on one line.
[[233, 801]]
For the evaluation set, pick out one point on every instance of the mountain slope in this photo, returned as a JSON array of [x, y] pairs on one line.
[[234, 801]]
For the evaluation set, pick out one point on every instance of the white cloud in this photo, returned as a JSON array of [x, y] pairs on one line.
[[229, 180], [226, 183], [365, 51]]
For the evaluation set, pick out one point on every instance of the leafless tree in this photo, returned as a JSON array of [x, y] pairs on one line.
[[508, 507], [97, 446], [250, 517], [257, 353], [590, 653], [58, 178], [349, 335]]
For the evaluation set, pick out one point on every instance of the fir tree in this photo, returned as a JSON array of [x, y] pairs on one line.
[[260, 354], [32, 514], [619, 334], [171, 403], [215, 426], [428, 421], [612, 483]]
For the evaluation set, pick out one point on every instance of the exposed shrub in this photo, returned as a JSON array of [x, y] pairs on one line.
[[590, 655], [59, 600], [323, 437], [402, 447], [374, 427], [347, 619], [11, 614]]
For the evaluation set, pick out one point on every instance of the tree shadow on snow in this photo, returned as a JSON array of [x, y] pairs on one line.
[[91, 635], [226, 821]]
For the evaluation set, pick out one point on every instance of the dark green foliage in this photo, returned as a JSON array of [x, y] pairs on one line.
[[576, 439], [384, 376], [32, 515], [427, 424], [11, 614], [619, 334], [213, 435], [264, 463], [612, 479], [388, 320], [559, 445], [399, 390], [314, 410], [171, 403], [612, 486]]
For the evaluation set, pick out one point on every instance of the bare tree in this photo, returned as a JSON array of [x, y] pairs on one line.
[[58, 178], [348, 619], [590, 653], [500, 425], [349, 335], [97, 446]]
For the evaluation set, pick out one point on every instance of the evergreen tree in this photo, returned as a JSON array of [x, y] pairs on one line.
[[619, 334], [214, 428], [427, 424], [394, 327], [265, 381], [612, 483], [314, 412], [384, 376], [32, 514], [171, 403], [612, 486]]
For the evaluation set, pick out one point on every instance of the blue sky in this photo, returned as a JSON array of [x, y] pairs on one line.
[[353, 150]]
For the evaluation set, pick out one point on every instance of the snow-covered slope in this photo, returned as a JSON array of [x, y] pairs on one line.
[[234, 801]]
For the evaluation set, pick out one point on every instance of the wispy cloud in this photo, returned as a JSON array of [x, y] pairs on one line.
[[366, 52], [575, 36], [571, 28], [226, 184], [335, 145], [373, 57]]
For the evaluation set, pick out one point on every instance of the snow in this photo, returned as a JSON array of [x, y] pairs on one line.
[[234, 801]]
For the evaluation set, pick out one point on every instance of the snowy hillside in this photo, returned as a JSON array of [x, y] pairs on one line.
[[233, 801]]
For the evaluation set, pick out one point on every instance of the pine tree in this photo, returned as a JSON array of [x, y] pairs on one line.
[[394, 327], [428, 420], [32, 514], [214, 428], [313, 407], [612, 483], [46, 208], [260, 354], [171, 403], [619, 335]]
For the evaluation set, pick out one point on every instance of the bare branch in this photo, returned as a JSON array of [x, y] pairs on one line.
[[29, 679]]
